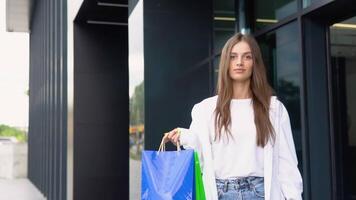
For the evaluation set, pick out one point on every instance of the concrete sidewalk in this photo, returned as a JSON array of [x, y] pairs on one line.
[[19, 189], [135, 179]]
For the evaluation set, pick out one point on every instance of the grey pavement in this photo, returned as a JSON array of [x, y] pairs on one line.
[[23, 189], [19, 189], [135, 179]]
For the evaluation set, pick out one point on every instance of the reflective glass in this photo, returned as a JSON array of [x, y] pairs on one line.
[[281, 54], [224, 28], [343, 61], [270, 12]]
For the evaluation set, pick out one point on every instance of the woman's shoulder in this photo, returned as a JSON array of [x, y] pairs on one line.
[[207, 102], [278, 107], [211, 102], [273, 103], [205, 106]]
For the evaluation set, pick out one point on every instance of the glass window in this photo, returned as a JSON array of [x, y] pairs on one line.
[[224, 28], [281, 54], [270, 12], [343, 61], [307, 3]]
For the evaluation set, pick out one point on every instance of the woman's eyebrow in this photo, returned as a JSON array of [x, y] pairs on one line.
[[242, 53]]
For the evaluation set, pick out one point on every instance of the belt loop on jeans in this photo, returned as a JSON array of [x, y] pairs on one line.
[[226, 185], [250, 185]]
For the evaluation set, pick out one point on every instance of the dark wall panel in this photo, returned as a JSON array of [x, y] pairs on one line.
[[178, 71], [48, 99], [318, 124], [101, 114]]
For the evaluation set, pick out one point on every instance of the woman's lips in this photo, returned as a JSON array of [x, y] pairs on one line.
[[239, 70]]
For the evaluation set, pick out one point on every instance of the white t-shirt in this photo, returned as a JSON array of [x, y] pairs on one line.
[[239, 157]]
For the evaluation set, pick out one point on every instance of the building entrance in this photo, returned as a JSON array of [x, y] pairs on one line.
[[343, 73]]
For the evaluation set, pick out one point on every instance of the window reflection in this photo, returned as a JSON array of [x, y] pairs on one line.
[[343, 60], [307, 3], [224, 28], [280, 50], [270, 12]]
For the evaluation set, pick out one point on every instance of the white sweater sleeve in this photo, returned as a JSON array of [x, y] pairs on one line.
[[289, 175], [192, 138]]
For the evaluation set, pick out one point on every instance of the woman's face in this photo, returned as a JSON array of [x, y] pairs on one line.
[[241, 62]]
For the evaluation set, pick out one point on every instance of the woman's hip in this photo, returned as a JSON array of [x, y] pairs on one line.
[[247, 188]]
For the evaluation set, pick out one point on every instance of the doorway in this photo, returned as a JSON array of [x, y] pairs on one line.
[[343, 75]]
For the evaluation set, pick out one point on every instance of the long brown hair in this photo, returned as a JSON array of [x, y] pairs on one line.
[[259, 86]]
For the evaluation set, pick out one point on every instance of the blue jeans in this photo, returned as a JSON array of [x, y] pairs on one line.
[[245, 188]]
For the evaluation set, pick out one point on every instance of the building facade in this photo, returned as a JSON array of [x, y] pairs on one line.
[[111, 80]]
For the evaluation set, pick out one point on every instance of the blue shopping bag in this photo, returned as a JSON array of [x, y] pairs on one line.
[[168, 175]]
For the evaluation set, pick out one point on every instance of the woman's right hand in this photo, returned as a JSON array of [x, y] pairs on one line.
[[172, 136]]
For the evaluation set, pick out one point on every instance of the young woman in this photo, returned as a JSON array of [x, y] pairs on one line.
[[243, 134]]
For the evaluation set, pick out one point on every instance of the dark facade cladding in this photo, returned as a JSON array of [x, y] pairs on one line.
[[101, 115], [101, 111], [177, 63], [100, 145], [47, 153]]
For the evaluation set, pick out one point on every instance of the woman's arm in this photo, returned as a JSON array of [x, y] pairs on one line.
[[188, 137], [289, 175], [193, 138]]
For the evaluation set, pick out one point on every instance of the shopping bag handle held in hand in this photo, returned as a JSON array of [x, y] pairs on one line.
[[162, 146]]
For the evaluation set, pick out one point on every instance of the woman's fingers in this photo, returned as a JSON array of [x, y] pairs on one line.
[[175, 138], [171, 136]]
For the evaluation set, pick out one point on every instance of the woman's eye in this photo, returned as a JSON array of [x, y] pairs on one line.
[[232, 57]]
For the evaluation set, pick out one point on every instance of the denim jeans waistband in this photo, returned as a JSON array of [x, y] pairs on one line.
[[239, 182]]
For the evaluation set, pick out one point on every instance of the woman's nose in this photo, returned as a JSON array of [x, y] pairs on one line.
[[239, 62]]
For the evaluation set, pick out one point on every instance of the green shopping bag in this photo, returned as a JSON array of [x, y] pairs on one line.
[[199, 187]]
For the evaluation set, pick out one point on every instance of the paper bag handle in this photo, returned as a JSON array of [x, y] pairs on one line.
[[162, 146]]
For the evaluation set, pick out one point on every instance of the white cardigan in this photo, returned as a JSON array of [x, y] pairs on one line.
[[282, 179]]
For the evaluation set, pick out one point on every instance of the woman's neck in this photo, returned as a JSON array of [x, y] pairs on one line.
[[241, 90]]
